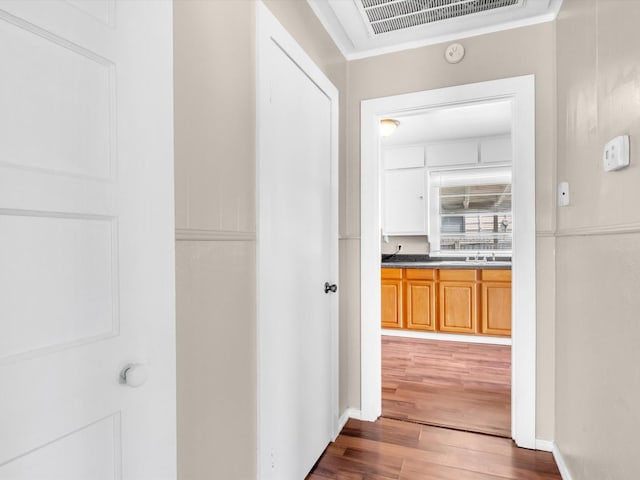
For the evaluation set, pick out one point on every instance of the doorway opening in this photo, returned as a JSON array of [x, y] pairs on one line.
[[446, 244], [518, 94]]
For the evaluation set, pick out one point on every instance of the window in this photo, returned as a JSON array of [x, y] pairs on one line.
[[471, 212]]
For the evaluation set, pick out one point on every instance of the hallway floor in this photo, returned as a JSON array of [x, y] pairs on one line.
[[466, 386], [395, 450]]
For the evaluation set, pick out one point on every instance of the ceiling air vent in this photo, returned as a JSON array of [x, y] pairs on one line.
[[386, 16]]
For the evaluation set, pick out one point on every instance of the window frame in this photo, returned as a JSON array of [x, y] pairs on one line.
[[461, 177]]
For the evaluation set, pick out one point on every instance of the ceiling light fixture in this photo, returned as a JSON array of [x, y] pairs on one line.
[[388, 126]]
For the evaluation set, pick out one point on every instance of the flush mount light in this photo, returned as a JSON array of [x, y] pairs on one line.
[[388, 126]]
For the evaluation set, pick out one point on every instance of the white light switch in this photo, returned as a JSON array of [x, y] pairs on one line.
[[616, 154], [563, 194]]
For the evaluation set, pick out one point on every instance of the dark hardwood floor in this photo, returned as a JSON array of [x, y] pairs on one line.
[[466, 386], [395, 450]]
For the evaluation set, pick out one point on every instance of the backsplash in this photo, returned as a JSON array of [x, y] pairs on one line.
[[418, 245]]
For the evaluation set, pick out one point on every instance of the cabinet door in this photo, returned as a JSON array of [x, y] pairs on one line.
[[391, 297], [458, 307], [453, 153], [421, 308], [496, 308], [403, 157], [496, 150], [404, 202]]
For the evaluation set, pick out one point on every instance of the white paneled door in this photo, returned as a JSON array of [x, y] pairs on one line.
[[86, 241], [297, 256]]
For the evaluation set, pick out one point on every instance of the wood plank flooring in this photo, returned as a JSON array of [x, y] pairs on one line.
[[396, 450], [466, 386]]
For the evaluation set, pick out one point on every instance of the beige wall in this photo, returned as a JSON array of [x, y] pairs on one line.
[[415, 244], [215, 207], [215, 231], [598, 259], [214, 77], [510, 53]]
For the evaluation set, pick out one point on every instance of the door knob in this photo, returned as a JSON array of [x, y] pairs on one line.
[[330, 287], [134, 375]]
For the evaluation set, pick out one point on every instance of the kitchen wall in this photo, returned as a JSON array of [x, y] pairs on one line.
[[413, 244], [214, 78], [598, 259], [529, 50]]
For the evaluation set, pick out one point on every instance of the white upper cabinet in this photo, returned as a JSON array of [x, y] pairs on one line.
[[404, 178], [496, 149], [403, 157], [404, 205], [452, 153]]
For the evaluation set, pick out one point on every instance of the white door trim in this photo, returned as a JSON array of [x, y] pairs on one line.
[[270, 30], [521, 90]]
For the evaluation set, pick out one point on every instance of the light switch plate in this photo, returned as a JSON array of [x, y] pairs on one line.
[[616, 154], [563, 194]]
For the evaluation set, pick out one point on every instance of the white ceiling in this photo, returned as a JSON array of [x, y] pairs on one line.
[[466, 121], [345, 22]]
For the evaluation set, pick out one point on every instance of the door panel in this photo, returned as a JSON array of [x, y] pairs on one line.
[[391, 295], [496, 308], [297, 254], [404, 202], [421, 312], [60, 101], [458, 308], [79, 255], [86, 240], [98, 444]]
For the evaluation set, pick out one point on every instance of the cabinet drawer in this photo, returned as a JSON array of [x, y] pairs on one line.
[[391, 273], [496, 275], [458, 275], [420, 274]]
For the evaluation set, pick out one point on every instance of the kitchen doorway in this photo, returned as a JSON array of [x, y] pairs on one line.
[[446, 244], [519, 92]]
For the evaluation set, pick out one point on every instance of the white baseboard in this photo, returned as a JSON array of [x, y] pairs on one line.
[[562, 466], [451, 337], [544, 445], [344, 418]]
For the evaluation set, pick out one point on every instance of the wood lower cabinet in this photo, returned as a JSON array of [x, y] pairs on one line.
[[392, 298], [473, 302], [458, 297], [420, 287], [496, 302]]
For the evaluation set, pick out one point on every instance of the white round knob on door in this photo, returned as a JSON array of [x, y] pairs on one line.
[[134, 375]]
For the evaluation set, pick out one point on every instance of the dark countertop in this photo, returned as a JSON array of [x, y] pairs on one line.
[[425, 261]]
